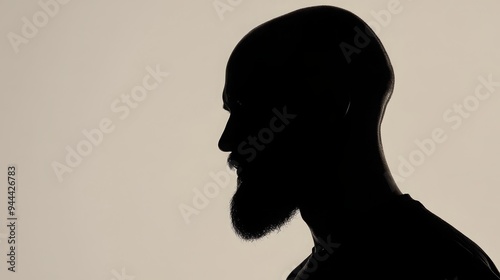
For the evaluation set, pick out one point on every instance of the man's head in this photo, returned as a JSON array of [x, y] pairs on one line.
[[295, 86]]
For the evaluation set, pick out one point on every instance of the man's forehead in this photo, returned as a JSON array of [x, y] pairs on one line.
[[225, 99]]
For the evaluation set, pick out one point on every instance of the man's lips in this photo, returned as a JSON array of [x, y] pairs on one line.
[[237, 166], [239, 169], [234, 162], [237, 163]]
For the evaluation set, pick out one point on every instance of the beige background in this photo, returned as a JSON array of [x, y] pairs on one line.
[[116, 215]]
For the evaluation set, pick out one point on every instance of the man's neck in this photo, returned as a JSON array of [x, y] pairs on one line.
[[359, 182], [330, 214]]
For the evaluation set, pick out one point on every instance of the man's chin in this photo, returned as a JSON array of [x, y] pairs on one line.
[[256, 212]]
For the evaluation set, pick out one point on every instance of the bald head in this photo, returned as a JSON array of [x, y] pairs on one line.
[[320, 57]]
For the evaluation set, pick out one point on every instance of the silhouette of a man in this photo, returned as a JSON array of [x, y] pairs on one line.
[[306, 93]]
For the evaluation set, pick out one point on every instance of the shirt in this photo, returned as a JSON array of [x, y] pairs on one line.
[[400, 239]]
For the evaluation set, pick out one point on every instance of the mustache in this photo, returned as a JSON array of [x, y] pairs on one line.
[[234, 161]]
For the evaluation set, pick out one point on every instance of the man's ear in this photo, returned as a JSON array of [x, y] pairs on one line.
[[341, 104], [348, 105], [326, 80]]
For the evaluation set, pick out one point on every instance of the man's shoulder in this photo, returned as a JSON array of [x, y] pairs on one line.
[[403, 241], [415, 237], [407, 241]]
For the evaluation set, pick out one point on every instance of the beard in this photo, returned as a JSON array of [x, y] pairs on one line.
[[265, 199]]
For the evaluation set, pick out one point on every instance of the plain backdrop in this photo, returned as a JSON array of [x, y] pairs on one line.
[[113, 210]]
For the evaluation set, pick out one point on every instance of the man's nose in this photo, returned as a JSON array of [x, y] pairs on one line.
[[223, 143], [227, 139]]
